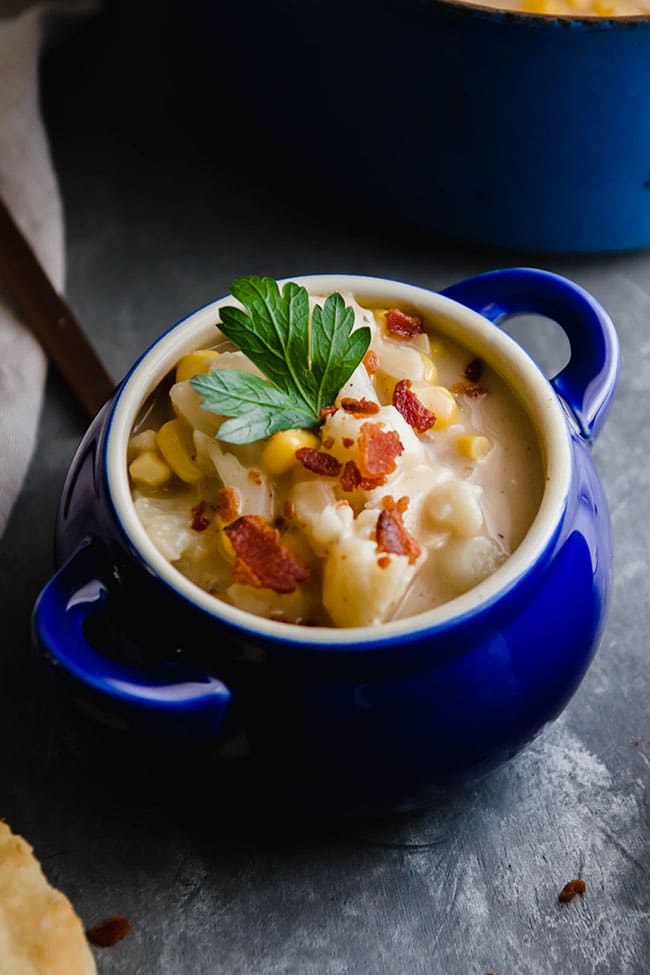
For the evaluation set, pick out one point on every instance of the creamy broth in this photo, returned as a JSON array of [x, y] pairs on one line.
[[422, 479]]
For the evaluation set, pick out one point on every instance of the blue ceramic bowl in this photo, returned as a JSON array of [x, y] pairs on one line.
[[509, 129], [368, 719]]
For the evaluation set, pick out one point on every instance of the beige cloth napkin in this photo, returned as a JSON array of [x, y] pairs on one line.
[[29, 187]]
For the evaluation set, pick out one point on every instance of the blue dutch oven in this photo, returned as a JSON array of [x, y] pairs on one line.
[[509, 129], [350, 720]]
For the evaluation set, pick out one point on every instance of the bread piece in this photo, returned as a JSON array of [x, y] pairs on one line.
[[40, 933]]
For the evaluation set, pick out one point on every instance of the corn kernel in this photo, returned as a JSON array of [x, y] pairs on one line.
[[149, 470], [279, 455], [440, 401], [139, 442], [177, 447], [430, 374], [194, 363], [384, 386], [474, 447]]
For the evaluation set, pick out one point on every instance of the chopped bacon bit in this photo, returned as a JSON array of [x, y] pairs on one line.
[[318, 462], [474, 370], [200, 518], [393, 537], [401, 325], [352, 480], [255, 477], [348, 442], [371, 362], [378, 450], [570, 890], [472, 390], [389, 503], [262, 560], [228, 504], [383, 562], [360, 407], [289, 510], [108, 933], [328, 443], [326, 412], [414, 412]]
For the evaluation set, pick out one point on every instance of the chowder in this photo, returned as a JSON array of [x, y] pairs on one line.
[[422, 477]]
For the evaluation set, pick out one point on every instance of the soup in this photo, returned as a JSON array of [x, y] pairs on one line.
[[422, 477]]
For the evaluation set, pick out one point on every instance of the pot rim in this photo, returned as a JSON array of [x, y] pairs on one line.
[[588, 20], [480, 336]]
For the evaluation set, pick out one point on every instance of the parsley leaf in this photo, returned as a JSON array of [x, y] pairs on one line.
[[307, 362], [255, 403]]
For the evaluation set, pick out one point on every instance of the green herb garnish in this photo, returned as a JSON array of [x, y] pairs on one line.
[[305, 362]]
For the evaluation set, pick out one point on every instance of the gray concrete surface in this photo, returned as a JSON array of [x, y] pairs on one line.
[[166, 202]]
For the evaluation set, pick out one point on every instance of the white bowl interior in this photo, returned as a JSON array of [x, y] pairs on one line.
[[480, 337]]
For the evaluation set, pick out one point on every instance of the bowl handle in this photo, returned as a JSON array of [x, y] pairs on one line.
[[173, 698], [587, 383]]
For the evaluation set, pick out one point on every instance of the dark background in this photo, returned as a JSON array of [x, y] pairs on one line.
[[168, 197]]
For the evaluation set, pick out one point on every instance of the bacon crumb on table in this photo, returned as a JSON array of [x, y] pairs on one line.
[[262, 560], [401, 325], [409, 406], [108, 933], [570, 890], [318, 462]]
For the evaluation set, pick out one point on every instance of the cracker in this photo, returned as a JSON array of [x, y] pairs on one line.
[[40, 933]]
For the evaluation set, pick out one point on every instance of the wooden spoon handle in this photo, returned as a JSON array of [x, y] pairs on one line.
[[50, 319]]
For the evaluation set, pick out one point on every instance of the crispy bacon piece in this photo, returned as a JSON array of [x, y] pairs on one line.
[[108, 933], [262, 560], [570, 890], [347, 442], [401, 325], [326, 412], [378, 450], [472, 390], [228, 504], [200, 517], [371, 362], [414, 412], [318, 462], [474, 370], [389, 503], [383, 562], [360, 407], [352, 479], [393, 537]]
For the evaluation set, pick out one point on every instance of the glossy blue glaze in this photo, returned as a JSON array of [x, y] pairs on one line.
[[343, 726], [509, 129]]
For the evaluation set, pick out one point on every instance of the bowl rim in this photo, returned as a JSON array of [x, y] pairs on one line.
[[483, 338]]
